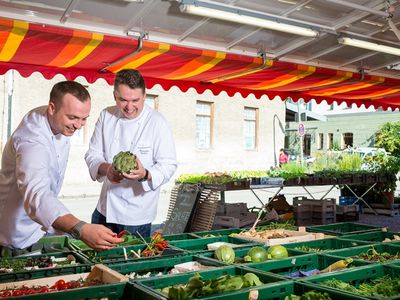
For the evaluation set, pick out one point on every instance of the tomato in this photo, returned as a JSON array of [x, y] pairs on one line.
[[60, 285], [6, 294], [121, 234], [43, 289], [17, 293]]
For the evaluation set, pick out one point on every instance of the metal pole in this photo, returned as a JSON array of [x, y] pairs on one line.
[[298, 125]]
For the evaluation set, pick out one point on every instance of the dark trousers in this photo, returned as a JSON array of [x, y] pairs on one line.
[[144, 230]]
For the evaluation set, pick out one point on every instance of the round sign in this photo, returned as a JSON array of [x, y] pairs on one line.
[[301, 130]]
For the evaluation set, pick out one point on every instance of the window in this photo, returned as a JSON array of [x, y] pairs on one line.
[[250, 128], [347, 140], [204, 116], [152, 101], [320, 141], [330, 140]]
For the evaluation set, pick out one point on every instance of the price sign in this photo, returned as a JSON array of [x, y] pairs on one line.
[[301, 130]]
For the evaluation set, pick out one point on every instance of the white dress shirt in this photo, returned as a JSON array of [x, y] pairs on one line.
[[32, 171], [148, 136]]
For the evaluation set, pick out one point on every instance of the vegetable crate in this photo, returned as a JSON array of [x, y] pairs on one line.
[[301, 266], [219, 232], [314, 212], [109, 285], [375, 253], [209, 244], [149, 289], [162, 267], [363, 275], [343, 228], [45, 266], [126, 254], [374, 237], [55, 243], [281, 236], [325, 245], [240, 253]]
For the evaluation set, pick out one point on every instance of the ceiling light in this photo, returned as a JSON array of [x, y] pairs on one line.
[[368, 45], [219, 11]]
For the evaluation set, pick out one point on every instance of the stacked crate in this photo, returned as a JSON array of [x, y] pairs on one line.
[[314, 212], [232, 215], [347, 211]]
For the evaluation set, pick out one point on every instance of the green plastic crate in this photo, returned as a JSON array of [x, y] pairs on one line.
[[372, 237], [302, 263], [82, 265], [55, 243], [117, 255], [200, 245], [181, 236], [156, 266], [380, 248], [325, 245], [343, 228], [240, 253], [146, 288], [357, 276], [217, 233]]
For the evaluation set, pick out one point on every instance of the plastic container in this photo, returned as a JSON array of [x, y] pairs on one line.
[[357, 276], [55, 243], [297, 267], [164, 266], [148, 289], [217, 233], [373, 237], [81, 265], [343, 228], [325, 245]]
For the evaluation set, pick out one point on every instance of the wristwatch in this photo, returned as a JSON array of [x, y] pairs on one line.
[[76, 230], [146, 176]]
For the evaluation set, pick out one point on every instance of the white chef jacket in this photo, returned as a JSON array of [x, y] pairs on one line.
[[32, 171], [131, 202]]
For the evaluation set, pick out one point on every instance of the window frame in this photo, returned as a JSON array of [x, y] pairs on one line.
[[211, 117], [256, 127]]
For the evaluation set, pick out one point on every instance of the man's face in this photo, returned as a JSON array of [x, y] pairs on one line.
[[70, 116], [129, 101]]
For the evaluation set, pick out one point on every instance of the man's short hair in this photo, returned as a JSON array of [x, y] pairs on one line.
[[131, 78], [74, 88]]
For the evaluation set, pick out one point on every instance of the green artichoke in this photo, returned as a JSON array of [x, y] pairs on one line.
[[124, 162]]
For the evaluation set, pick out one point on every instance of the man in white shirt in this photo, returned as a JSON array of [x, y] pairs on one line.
[[128, 201], [32, 171]]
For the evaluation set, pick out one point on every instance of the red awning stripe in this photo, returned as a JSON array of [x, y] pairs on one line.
[[11, 35]]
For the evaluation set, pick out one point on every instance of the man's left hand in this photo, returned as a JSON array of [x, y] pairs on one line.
[[136, 174]]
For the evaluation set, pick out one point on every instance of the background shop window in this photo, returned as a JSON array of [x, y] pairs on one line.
[[204, 118], [347, 140], [330, 141], [152, 101], [320, 141], [250, 128]]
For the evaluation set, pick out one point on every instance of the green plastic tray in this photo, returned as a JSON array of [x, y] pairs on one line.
[[219, 232], [325, 245], [116, 255], [308, 262], [357, 276], [343, 228], [380, 248], [82, 265], [162, 265], [200, 245], [373, 237], [55, 243], [146, 289], [242, 252]]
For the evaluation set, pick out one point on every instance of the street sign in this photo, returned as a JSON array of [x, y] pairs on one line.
[[301, 130]]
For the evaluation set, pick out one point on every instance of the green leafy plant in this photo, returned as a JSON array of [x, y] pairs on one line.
[[388, 137]]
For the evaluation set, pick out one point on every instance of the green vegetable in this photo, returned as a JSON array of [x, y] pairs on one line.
[[277, 252], [124, 162], [225, 254], [257, 254]]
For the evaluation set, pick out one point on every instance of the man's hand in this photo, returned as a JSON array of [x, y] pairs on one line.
[[138, 173], [99, 237], [113, 175]]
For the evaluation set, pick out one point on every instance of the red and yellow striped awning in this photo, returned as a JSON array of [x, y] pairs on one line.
[[51, 50]]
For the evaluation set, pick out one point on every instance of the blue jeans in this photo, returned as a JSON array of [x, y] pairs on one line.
[[144, 230]]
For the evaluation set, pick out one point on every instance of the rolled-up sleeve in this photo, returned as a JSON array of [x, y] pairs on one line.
[[37, 183], [94, 157], [164, 157]]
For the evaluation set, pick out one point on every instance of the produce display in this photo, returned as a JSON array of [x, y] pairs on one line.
[[225, 254], [198, 287], [380, 287], [155, 247], [124, 162], [309, 249], [32, 263], [373, 255], [395, 238]]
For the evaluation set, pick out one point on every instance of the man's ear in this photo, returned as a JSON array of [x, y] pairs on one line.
[[51, 109], [115, 96]]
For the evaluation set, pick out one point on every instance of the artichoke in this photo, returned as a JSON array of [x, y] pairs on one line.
[[124, 162]]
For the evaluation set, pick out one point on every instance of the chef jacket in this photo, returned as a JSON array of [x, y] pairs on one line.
[[32, 171], [148, 136]]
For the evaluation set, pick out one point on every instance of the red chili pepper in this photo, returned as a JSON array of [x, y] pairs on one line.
[[121, 234]]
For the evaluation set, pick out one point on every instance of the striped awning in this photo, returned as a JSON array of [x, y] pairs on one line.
[[28, 47]]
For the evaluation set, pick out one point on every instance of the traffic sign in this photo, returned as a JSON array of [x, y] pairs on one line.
[[301, 130]]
